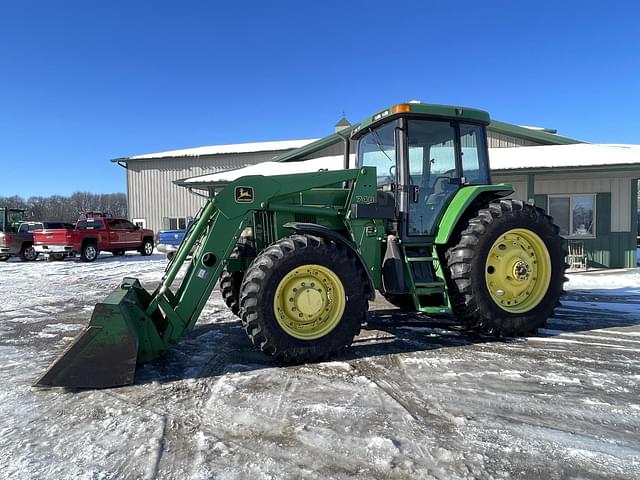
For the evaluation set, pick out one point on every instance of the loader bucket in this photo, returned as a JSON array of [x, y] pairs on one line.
[[105, 353]]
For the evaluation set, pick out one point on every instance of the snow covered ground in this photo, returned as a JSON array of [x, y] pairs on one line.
[[411, 399]]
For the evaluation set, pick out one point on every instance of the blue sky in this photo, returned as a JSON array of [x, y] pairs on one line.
[[84, 82]]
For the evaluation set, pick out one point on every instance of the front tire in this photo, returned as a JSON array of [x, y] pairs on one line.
[[506, 269], [303, 299], [230, 282], [147, 247]]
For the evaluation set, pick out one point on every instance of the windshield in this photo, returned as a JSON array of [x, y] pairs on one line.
[[378, 149]]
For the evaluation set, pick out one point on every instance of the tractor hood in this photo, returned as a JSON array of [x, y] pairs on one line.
[[267, 169]]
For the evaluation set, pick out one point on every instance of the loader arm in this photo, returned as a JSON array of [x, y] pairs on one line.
[[132, 326]]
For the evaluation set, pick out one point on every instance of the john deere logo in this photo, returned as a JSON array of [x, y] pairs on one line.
[[244, 194]]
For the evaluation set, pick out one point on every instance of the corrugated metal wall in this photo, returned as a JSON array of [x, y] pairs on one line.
[[497, 140], [152, 194]]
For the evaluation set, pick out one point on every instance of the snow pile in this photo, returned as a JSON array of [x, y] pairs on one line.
[[605, 280]]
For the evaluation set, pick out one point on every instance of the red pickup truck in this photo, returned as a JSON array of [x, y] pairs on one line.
[[92, 235]]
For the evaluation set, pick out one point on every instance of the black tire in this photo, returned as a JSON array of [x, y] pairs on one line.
[[57, 256], [118, 253], [262, 279], [230, 282], [89, 252], [466, 258], [147, 247], [28, 253], [403, 301], [4, 259]]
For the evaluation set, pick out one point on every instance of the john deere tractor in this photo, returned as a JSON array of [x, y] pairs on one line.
[[300, 255]]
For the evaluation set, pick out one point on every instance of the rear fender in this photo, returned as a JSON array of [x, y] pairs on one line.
[[467, 199]]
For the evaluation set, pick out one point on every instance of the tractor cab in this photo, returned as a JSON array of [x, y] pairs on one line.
[[11, 218], [422, 160]]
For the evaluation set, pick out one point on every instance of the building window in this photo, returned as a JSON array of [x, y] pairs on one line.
[[574, 214], [141, 222], [175, 223]]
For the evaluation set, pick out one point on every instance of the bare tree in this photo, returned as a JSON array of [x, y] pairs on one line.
[[68, 209]]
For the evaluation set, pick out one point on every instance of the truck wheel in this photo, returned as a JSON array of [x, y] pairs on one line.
[[89, 252], [4, 259], [402, 301], [303, 299], [506, 269], [28, 253], [230, 281], [147, 247]]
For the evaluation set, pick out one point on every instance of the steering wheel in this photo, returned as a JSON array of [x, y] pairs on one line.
[[444, 176]]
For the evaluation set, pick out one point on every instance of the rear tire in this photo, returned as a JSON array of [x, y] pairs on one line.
[[326, 286], [89, 252], [506, 269], [28, 253]]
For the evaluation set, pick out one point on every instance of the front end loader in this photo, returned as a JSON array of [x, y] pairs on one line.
[[299, 255]]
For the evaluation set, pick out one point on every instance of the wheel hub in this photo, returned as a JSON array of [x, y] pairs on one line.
[[518, 270], [309, 302], [521, 270]]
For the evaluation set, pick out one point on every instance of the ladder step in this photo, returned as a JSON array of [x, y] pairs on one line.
[[429, 284], [420, 259]]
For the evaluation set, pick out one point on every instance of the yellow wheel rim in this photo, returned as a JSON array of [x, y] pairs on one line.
[[518, 270], [309, 302]]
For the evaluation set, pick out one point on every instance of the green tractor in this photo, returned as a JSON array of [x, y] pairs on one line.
[[299, 256]]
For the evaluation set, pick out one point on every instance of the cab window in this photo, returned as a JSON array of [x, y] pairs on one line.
[[474, 162]]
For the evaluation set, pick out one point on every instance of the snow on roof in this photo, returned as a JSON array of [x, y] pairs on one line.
[[553, 156], [334, 162], [227, 149], [563, 156]]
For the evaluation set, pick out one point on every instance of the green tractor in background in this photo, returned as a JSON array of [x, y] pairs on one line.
[[417, 220]]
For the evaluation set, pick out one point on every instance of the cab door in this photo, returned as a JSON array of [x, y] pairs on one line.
[[433, 171]]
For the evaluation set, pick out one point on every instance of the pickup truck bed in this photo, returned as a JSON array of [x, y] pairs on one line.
[[20, 241]]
